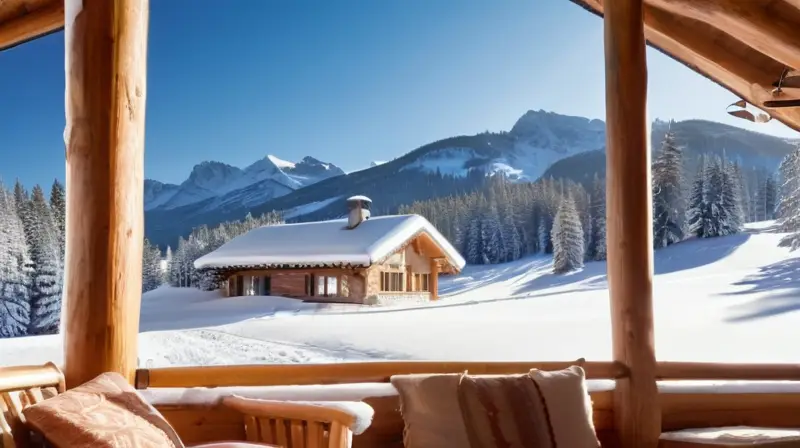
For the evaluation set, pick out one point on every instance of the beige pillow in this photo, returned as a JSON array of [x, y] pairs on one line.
[[569, 407], [106, 412], [432, 416], [504, 411]]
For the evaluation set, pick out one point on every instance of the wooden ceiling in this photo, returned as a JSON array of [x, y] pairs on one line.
[[24, 20], [744, 45]]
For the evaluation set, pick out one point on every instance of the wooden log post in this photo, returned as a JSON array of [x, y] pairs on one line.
[[630, 250], [433, 280], [105, 62]]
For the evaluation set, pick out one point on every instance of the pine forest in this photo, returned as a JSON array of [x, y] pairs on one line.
[[704, 197]]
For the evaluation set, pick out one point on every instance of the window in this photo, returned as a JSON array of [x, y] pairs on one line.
[[321, 286], [421, 282], [392, 281]]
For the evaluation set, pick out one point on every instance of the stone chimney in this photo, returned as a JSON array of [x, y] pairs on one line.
[[358, 210]]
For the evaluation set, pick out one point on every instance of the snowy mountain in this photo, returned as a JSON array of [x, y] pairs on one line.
[[539, 141], [218, 183], [753, 150], [536, 141]]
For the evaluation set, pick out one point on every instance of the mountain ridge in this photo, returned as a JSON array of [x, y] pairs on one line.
[[454, 165]]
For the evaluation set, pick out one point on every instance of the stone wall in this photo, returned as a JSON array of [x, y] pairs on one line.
[[405, 298]]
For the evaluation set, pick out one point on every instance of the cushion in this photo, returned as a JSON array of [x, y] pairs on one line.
[[234, 445], [538, 409], [568, 406], [106, 412], [431, 412], [503, 411], [733, 436]]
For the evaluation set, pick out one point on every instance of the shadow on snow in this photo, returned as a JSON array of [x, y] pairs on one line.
[[688, 254], [780, 284]]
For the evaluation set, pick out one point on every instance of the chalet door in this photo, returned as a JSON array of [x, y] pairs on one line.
[[239, 285]]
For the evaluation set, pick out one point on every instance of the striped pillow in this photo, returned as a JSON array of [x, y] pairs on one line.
[[536, 410]]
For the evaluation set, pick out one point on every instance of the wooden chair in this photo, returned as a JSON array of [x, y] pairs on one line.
[[20, 387], [292, 424]]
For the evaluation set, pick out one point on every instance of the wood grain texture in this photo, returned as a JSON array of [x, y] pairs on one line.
[[670, 370], [703, 410], [20, 387], [700, 35], [45, 18], [630, 249], [769, 27], [104, 135], [198, 424], [340, 373]]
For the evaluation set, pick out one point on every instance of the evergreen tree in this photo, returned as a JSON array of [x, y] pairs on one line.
[[770, 197], [45, 249], [15, 270], [151, 267], [697, 210], [474, 242], [789, 207], [568, 245], [168, 260], [731, 198], [58, 208], [668, 207], [598, 240]]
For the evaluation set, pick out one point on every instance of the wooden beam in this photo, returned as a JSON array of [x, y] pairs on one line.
[[630, 249], [749, 76], [345, 373], [32, 25], [433, 280], [750, 79], [761, 25], [670, 370], [106, 51]]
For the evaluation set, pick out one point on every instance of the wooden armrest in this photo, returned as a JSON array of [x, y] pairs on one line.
[[289, 410]]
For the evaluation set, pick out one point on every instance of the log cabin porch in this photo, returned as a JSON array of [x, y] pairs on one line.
[[747, 47]]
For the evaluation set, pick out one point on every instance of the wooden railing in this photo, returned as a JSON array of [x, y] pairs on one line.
[[698, 406], [381, 371]]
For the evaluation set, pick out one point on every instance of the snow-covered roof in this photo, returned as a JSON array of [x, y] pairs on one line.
[[326, 243]]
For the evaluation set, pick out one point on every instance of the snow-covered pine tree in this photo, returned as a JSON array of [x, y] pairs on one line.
[[741, 191], [513, 241], [168, 262], [731, 198], [770, 197], [494, 248], [151, 267], [598, 240], [45, 249], [474, 241], [15, 272], [668, 205], [58, 208], [567, 238], [696, 211], [789, 207], [176, 271]]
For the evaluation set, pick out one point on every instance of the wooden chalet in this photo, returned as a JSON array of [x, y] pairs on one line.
[[751, 47], [361, 259]]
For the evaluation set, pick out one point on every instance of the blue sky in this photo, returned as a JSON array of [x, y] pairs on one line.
[[347, 81]]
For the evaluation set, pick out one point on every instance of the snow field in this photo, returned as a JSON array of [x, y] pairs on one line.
[[726, 299]]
